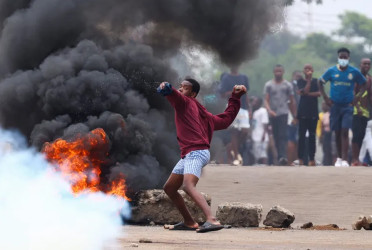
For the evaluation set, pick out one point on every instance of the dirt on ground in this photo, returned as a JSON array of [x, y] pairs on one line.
[[325, 196]]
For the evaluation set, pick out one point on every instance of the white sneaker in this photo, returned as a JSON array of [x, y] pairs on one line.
[[236, 163], [345, 164], [338, 162]]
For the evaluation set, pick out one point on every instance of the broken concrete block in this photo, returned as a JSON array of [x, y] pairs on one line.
[[358, 224], [155, 206], [239, 214], [363, 222], [279, 217]]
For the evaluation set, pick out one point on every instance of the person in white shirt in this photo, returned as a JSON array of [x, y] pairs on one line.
[[260, 136]]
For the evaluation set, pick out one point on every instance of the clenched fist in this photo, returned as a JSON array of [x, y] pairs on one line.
[[239, 90]]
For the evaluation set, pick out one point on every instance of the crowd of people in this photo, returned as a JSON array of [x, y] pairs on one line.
[[284, 127]]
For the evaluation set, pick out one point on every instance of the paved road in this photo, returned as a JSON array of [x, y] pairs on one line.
[[322, 195]]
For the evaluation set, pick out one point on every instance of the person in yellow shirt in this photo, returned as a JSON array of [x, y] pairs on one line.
[[361, 112], [318, 130]]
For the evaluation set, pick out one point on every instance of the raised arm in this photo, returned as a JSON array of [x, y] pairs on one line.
[[223, 121], [175, 98]]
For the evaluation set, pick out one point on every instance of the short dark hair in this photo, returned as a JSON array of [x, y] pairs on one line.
[[343, 49], [278, 66], [195, 85], [259, 101]]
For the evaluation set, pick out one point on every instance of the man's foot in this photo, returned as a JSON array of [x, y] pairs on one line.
[[297, 162], [182, 226], [208, 227], [312, 163], [236, 163], [356, 164], [338, 162], [283, 161], [344, 164]]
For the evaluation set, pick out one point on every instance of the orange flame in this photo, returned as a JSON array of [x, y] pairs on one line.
[[117, 189], [80, 162]]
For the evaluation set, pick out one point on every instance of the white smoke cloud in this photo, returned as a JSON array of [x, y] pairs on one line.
[[38, 211], [202, 63]]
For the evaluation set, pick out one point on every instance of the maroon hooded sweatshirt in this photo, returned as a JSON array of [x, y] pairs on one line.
[[195, 125]]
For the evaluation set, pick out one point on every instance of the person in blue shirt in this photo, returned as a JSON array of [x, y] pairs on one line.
[[239, 129], [342, 77]]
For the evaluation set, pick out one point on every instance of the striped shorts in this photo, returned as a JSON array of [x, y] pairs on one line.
[[192, 163]]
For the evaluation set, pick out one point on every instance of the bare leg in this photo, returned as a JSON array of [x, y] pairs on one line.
[[230, 157], [171, 187], [273, 150], [243, 136], [235, 143], [291, 151], [189, 186]]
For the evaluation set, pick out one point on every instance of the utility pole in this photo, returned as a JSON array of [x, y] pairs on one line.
[[310, 23]]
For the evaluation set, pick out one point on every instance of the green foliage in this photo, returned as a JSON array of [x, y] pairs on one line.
[[279, 43], [326, 48], [260, 70], [356, 25]]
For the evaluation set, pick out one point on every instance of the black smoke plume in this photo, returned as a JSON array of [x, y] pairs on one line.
[[68, 67]]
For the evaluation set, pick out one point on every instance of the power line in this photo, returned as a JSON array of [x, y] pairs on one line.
[[301, 18]]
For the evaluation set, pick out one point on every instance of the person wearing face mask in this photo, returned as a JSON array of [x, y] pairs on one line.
[[342, 77]]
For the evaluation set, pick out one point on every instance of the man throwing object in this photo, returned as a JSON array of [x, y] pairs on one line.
[[195, 126]]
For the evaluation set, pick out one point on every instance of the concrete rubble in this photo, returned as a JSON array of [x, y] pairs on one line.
[[239, 214], [363, 222], [279, 217], [154, 206]]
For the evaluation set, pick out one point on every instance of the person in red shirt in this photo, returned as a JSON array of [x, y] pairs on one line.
[[195, 126]]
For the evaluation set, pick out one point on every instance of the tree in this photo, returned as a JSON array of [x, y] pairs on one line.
[[355, 25], [279, 43], [260, 70]]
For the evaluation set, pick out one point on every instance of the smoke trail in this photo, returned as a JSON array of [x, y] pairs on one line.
[[38, 210], [67, 67], [7, 8]]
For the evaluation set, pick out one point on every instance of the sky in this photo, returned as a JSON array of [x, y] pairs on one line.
[[302, 18]]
